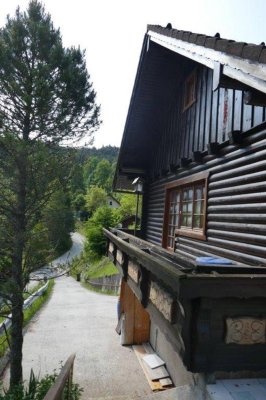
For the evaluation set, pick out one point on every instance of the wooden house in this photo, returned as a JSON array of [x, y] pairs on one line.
[[112, 202], [196, 135]]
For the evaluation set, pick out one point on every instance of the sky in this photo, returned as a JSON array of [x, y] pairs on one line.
[[112, 31]]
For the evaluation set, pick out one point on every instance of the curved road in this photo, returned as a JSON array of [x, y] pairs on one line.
[[76, 320], [55, 267]]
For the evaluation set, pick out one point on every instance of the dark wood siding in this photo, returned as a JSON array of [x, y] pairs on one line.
[[209, 119], [236, 213]]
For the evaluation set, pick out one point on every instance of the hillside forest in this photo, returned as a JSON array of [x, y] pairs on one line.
[[95, 206]]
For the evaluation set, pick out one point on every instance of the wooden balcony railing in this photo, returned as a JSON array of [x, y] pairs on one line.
[[63, 381], [198, 309]]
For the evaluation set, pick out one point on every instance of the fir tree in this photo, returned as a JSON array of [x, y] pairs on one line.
[[46, 98]]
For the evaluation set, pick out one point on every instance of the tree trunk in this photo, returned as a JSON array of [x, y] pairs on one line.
[[17, 275], [16, 339]]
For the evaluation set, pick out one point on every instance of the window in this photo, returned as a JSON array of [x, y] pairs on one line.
[[190, 91], [185, 209]]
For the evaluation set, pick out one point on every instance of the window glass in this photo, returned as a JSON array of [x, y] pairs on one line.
[[186, 211]]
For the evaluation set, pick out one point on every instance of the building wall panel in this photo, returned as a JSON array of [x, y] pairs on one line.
[[236, 210]]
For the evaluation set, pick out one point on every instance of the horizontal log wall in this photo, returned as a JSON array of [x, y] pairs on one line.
[[236, 212], [208, 120]]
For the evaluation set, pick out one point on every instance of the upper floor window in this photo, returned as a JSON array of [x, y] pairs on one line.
[[185, 209], [190, 91]]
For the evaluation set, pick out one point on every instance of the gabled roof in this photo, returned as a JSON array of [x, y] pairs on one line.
[[240, 61], [247, 51], [164, 52]]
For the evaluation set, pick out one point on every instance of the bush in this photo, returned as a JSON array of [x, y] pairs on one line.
[[104, 217], [96, 241], [37, 389]]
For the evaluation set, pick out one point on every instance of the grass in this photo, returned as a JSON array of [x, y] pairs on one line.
[[87, 285], [80, 227], [28, 293], [6, 310], [101, 267], [28, 314], [98, 269], [31, 311]]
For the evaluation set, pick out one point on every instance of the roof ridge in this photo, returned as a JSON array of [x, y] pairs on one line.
[[248, 51]]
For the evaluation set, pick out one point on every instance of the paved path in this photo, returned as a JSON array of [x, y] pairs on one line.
[[78, 320], [56, 267]]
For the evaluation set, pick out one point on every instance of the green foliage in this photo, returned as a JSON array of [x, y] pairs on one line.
[[96, 241], [104, 217], [128, 205], [96, 197], [45, 85], [80, 227], [58, 219], [89, 171], [99, 172], [103, 175], [76, 179], [79, 202], [109, 153], [38, 388], [78, 264]]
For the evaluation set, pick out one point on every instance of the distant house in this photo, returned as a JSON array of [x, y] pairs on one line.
[[112, 202], [196, 135]]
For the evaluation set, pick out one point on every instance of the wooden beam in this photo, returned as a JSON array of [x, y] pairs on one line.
[[161, 269], [164, 171], [184, 162], [217, 73], [235, 137], [249, 73], [174, 167], [133, 171], [220, 80], [255, 98], [198, 156], [213, 148], [144, 286]]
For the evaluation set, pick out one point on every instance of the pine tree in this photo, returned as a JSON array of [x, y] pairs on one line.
[[46, 99]]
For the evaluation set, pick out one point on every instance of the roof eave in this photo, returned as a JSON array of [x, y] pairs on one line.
[[250, 73]]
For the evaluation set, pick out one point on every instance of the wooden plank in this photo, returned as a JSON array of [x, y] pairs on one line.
[[238, 110], [208, 108], [166, 382], [139, 351], [247, 117], [214, 120], [203, 94], [153, 361], [147, 347], [127, 306], [141, 323], [156, 374]]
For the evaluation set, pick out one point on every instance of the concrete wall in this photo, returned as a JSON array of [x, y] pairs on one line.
[[178, 372]]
